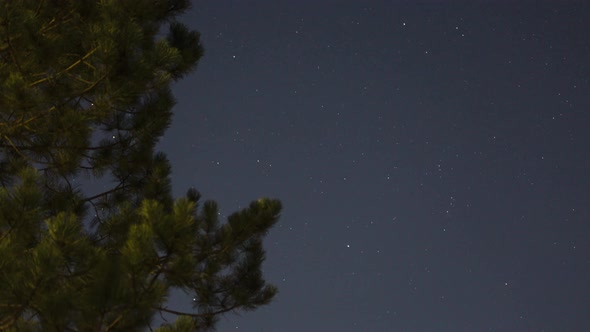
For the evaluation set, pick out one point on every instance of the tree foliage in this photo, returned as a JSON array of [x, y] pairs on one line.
[[85, 91]]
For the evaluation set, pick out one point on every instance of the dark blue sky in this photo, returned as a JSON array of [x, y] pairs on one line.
[[433, 159]]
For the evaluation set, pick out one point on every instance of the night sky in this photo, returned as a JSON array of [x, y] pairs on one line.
[[433, 158]]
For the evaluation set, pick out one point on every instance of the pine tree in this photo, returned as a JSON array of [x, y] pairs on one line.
[[85, 91]]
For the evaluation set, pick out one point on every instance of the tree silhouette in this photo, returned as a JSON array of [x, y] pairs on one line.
[[85, 91]]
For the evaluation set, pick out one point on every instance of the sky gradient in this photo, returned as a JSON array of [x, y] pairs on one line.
[[433, 158]]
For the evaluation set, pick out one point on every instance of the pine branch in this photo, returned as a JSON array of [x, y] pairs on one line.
[[115, 189], [70, 67], [213, 313]]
